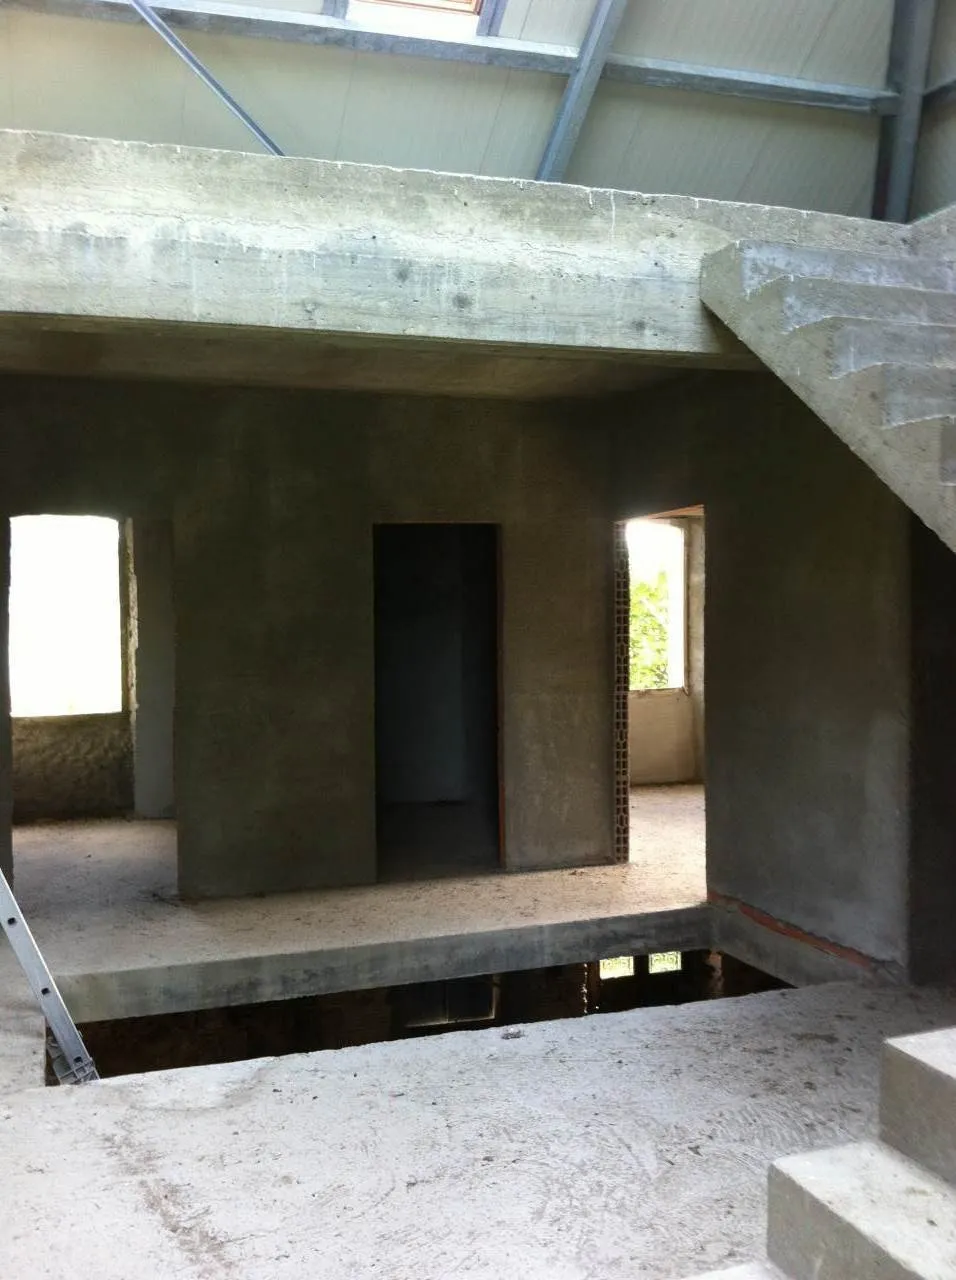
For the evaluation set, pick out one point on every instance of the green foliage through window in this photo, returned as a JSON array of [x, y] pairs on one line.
[[648, 638]]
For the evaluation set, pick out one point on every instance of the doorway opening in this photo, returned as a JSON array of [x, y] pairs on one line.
[[70, 732], [661, 696], [436, 699]]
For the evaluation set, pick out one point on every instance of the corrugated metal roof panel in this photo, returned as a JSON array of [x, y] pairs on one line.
[[728, 149], [547, 21], [843, 41]]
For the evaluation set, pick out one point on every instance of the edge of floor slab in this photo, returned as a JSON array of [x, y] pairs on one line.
[[788, 952], [180, 987]]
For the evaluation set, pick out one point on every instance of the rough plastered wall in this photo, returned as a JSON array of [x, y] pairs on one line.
[[807, 669], [6, 762], [273, 497], [544, 481], [71, 766]]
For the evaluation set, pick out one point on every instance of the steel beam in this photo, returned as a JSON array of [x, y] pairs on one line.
[[911, 43], [940, 95], [206, 76], [580, 89], [489, 19], [213, 18]]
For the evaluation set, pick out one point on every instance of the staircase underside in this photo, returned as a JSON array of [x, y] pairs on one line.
[[868, 341]]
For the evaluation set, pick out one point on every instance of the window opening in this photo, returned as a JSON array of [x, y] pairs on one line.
[[664, 962], [618, 967], [448, 19], [65, 618], [656, 561]]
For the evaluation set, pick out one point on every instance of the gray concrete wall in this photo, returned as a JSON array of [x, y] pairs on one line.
[[272, 497], [6, 763], [807, 657], [152, 629], [662, 744], [544, 480], [72, 766], [274, 700]]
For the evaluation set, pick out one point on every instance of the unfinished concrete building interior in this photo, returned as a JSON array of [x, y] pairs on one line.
[[478, 638]]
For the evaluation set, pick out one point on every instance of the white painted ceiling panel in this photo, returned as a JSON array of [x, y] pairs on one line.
[[419, 114], [843, 41], [547, 21], [97, 78], [728, 149], [295, 92], [520, 129], [935, 184], [6, 60]]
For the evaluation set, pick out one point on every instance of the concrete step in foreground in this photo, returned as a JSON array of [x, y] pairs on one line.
[[860, 1212], [918, 1100]]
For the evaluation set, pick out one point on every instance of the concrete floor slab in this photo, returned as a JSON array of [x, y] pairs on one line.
[[623, 1145], [100, 897]]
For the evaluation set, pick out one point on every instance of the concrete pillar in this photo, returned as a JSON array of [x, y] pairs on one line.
[[558, 693], [154, 639], [274, 724], [6, 752]]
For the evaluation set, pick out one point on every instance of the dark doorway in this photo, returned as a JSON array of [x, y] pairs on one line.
[[436, 699]]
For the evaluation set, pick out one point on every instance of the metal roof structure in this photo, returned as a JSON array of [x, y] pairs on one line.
[[844, 106]]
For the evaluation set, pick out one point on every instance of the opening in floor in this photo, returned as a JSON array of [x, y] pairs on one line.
[[349, 1018], [436, 699]]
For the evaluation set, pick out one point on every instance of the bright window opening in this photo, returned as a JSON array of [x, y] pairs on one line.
[[444, 19], [65, 625], [618, 967], [655, 551], [664, 962]]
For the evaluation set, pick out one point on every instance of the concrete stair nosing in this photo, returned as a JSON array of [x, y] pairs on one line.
[[862, 1210], [758, 262], [918, 1095]]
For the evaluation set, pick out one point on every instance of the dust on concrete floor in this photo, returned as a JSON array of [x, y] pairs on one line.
[[625, 1145], [100, 896], [668, 839]]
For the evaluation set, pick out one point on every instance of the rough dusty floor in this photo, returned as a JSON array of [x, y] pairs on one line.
[[100, 897], [668, 840], [624, 1145]]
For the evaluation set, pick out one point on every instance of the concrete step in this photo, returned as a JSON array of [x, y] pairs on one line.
[[861, 1212], [756, 263], [902, 393], [918, 1099], [749, 1271], [793, 304], [852, 345]]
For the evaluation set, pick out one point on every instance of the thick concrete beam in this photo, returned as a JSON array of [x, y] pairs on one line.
[[105, 236]]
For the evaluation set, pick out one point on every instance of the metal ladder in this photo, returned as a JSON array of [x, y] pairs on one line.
[[68, 1054]]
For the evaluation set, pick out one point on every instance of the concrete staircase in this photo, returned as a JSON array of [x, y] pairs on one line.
[[868, 342], [883, 1210]]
